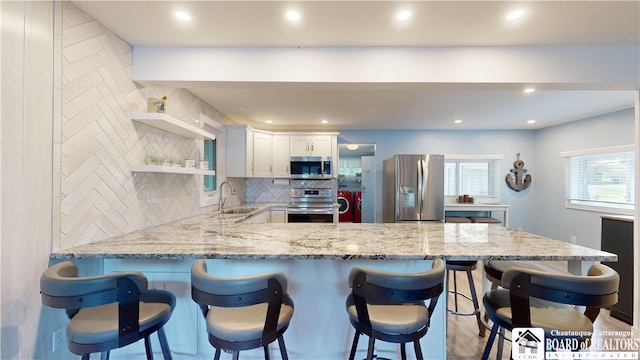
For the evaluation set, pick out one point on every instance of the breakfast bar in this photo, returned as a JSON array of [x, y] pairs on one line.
[[317, 259]]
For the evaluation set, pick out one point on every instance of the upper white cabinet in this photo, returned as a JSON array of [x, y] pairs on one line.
[[262, 154], [310, 145], [239, 151], [281, 156]]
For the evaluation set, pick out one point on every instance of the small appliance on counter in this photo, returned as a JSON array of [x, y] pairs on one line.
[[413, 188]]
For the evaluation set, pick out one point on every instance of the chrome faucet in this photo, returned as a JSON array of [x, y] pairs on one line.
[[222, 200]]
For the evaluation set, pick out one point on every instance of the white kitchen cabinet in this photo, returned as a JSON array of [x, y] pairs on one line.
[[310, 145], [277, 216], [262, 154], [281, 156], [260, 218], [270, 216], [259, 153], [239, 151]]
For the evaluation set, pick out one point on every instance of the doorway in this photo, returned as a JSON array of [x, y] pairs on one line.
[[356, 180]]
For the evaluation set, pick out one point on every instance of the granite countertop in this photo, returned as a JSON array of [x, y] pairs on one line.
[[225, 236]]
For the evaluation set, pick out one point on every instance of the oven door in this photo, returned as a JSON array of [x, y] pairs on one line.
[[309, 215]]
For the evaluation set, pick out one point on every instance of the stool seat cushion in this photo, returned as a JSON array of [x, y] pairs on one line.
[[484, 220], [99, 324], [456, 219], [494, 268], [395, 319], [544, 314], [462, 265], [243, 323]]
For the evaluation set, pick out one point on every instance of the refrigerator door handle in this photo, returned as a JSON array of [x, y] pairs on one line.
[[420, 187]]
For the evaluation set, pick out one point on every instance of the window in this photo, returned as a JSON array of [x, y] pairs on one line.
[[601, 179], [210, 156], [208, 184], [473, 175]]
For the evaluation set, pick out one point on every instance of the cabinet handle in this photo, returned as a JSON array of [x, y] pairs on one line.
[[312, 148]]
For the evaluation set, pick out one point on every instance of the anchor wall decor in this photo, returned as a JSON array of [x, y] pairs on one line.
[[520, 183]]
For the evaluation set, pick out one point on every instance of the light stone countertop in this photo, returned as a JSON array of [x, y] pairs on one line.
[[224, 236]]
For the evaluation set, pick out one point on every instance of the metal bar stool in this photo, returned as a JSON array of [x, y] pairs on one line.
[[467, 267]]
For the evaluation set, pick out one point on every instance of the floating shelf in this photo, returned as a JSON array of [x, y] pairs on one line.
[[170, 170], [171, 124]]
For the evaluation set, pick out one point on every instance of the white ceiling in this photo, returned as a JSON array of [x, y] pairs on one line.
[[371, 23]]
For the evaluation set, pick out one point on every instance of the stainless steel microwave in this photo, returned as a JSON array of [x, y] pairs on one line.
[[310, 167]]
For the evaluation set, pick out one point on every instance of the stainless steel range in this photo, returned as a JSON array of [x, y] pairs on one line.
[[311, 205]]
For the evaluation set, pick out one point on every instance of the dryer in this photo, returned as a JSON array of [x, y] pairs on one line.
[[357, 208], [345, 206]]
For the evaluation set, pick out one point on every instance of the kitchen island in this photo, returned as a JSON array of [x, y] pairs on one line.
[[317, 259]]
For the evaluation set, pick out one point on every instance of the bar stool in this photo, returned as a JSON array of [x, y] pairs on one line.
[[107, 311], [390, 306], [467, 267], [457, 219], [484, 220], [575, 304], [242, 313]]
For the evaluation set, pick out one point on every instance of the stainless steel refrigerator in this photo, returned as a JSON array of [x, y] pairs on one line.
[[413, 188]]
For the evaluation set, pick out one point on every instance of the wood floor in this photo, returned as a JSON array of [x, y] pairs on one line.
[[463, 342]]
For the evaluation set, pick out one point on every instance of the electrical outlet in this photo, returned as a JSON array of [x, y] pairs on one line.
[[58, 339], [573, 239], [151, 197]]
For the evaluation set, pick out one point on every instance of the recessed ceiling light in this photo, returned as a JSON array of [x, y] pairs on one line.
[[528, 90], [269, 122], [531, 121], [515, 14], [403, 15], [353, 147], [325, 121], [457, 121], [183, 15], [293, 15]]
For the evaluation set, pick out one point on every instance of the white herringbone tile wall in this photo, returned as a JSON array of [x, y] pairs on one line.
[[99, 196]]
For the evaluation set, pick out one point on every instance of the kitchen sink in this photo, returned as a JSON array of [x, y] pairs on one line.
[[239, 210]]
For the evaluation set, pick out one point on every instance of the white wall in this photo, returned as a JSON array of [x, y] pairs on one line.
[[550, 217], [25, 172]]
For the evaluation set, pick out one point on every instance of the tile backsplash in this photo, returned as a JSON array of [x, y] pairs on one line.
[[265, 191]]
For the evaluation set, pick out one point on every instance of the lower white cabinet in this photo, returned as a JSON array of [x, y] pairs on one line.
[[260, 218], [277, 216], [271, 216]]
